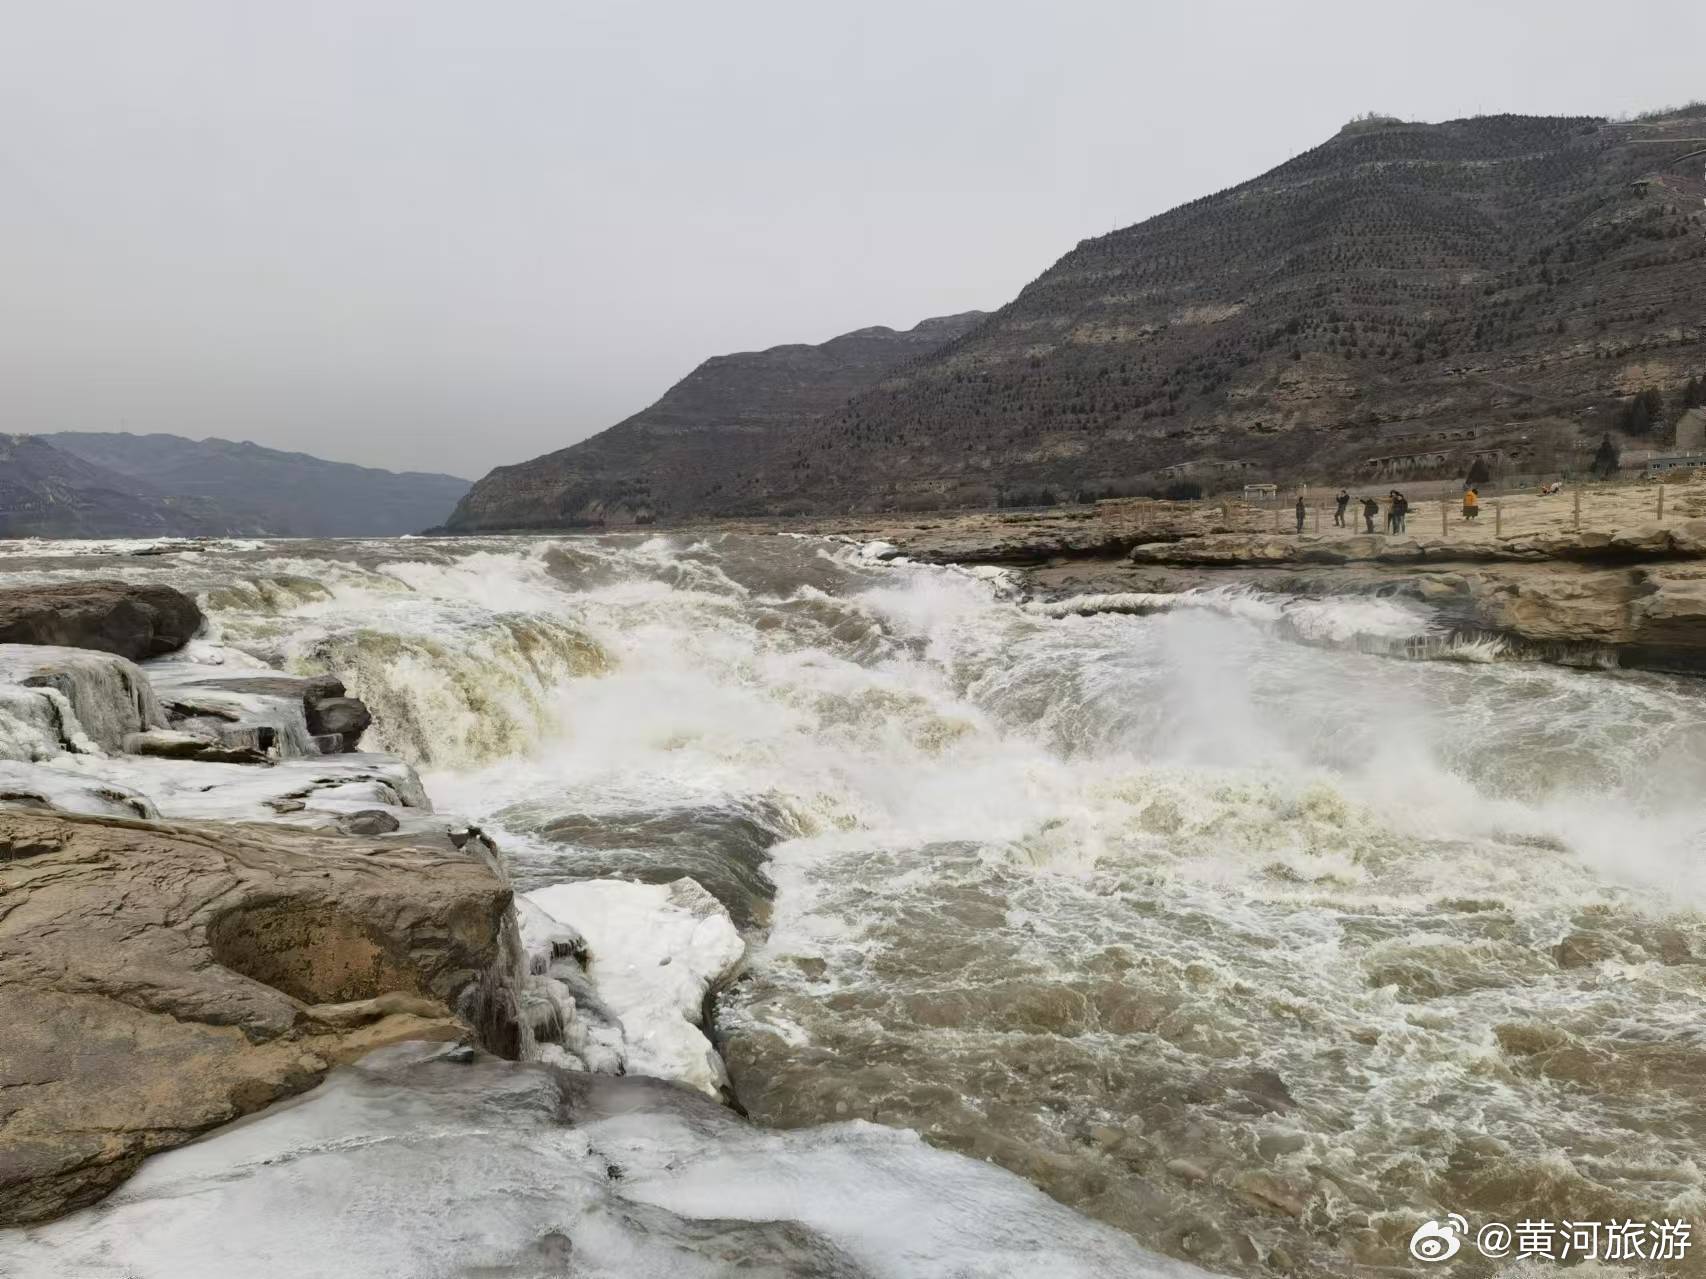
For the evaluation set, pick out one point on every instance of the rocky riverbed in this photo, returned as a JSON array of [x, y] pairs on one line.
[[220, 902], [209, 897], [1181, 903]]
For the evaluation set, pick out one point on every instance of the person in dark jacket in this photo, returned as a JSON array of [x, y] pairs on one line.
[[1370, 508], [1340, 503], [1397, 507], [1300, 510]]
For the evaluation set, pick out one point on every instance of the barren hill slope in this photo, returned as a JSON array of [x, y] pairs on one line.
[[699, 442], [1394, 300]]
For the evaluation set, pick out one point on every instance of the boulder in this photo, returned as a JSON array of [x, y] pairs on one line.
[[194, 694], [369, 821], [131, 620], [233, 736], [655, 953], [345, 718], [157, 980]]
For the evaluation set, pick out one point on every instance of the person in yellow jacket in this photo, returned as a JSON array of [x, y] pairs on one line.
[[1471, 504]]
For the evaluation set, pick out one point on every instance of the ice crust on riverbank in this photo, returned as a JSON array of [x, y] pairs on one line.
[[653, 952], [415, 1163], [72, 699]]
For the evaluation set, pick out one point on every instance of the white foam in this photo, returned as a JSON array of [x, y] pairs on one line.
[[1371, 623], [83, 548]]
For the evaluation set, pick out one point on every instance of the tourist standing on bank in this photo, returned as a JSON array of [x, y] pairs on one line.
[[1400, 509]]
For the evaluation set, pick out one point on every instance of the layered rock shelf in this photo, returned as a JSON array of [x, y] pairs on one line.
[[1623, 589], [1615, 546], [158, 980]]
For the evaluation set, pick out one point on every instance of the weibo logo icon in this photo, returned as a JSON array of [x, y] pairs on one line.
[[1434, 1241]]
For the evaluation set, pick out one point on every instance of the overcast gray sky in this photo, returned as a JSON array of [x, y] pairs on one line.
[[440, 234]]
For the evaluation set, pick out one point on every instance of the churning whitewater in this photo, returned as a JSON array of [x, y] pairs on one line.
[[1214, 917]]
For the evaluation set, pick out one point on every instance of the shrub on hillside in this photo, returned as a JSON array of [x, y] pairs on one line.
[[1180, 491], [1644, 414], [1606, 459]]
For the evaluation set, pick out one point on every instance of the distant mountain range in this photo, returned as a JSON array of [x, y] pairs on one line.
[[692, 450], [92, 484], [48, 492], [1399, 300]]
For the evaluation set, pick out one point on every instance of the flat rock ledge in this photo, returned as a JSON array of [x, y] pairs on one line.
[[1243, 549], [157, 980]]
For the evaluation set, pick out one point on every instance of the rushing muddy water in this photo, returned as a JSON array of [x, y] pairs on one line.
[[1215, 924]]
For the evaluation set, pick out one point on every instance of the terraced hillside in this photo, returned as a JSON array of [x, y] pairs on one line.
[[1402, 292]]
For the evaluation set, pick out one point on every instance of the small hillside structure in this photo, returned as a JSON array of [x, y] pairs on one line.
[[1691, 431]]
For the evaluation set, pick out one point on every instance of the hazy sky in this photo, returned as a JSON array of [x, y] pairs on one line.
[[446, 234]]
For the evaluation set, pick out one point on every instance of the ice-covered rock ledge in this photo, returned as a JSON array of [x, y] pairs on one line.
[[185, 939], [640, 959], [426, 1162], [214, 896], [629, 998], [159, 980], [91, 732]]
